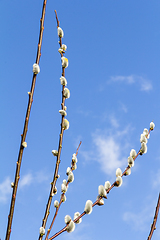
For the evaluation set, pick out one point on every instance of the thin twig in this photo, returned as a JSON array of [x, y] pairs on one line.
[[23, 136], [55, 177], [97, 201], [61, 199], [153, 226]]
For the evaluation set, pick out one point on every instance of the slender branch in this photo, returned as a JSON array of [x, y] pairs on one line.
[[25, 129], [99, 198], [57, 209], [55, 177], [153, 226]]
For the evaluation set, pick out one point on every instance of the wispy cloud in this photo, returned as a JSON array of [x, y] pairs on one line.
[[143, 83], [108, 150], [26, 180], [5, 190]]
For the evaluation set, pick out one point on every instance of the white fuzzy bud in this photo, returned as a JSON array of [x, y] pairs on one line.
[[55, 152], [76, 215], [152, 125], [42, 231], [143, 148], [64, 62], [146, 133], [118, 172], [36, 68], [67, 219], [63, 112], [66, 93], [60, 32], [101, 201], [68, 171], [56, 204], [74, 158], [74, 166], [24, 144], [64, 198], [65, 124], [63, 188], [133, 153], [71, 177], [64, 47], [118, 181], [143, 138], [65, 182], [65, 108], [101, 191], [88, 207], [70, 227], [128, 172], [63, 81], [12, 184], [130, 161], [107, 185], [60, 50]]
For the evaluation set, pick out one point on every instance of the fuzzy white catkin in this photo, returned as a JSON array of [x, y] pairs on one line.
[[71, 177], [42, 230], [119, 181], [63, 188], [36, 68], [133, 153], [146, 133], [55, 152], [64, 47], [65, 124], [65, 182], [118, 172], [143, 138], [63, 81], [74, 166], [77, 214], [56, 204], [24, 144], [107, 185], [88, 207], [64, 62], [128, 172], [70, 227], [68, 171], [130, 161], [152, 125], [143, 148], [12, 184], [60, 32], [67, 219], [64, 198], [66, 93], [101, 202], [101, 191], [74, 158], [63, 112]]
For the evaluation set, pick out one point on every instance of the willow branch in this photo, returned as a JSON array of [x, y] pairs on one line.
[[55, 177], [61, 199], [153, 226], [25, 129], [98, 200]]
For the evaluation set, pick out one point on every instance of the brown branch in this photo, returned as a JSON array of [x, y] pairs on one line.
[[57, 209], [97, 201], [153, 226], [55, 177], [25, 129]]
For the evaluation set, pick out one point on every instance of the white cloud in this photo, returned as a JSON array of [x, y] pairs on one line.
[[5, 190], [145, 84], [26, 180], [114, 122]]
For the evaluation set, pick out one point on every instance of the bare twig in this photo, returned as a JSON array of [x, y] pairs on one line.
[[97, 201], [23, 135], [153, 226], [55, 177]]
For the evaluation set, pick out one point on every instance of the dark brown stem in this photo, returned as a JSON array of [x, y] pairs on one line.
[[53, 184], [57, 209], [25, 129], [153, 226]]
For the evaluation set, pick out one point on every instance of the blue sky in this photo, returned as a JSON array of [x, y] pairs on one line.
[[114, 79]]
